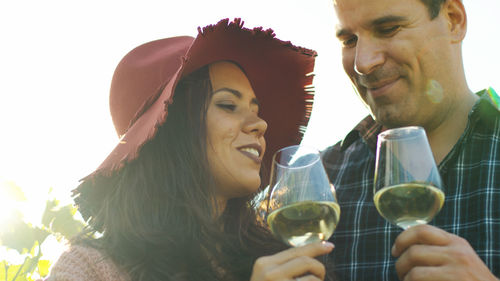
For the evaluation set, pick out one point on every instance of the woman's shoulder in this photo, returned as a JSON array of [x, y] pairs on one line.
[[82, 263]]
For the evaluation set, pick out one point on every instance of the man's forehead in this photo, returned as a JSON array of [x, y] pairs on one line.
[[371, 4], [371, 11]]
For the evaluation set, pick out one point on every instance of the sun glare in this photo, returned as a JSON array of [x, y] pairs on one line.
[[7, 203]]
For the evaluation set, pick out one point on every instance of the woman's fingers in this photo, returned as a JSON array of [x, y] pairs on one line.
[[310, 250], [297, 267], [304, 265], [293, 263]]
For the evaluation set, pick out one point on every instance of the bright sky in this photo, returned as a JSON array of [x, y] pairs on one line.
[[57, 58]]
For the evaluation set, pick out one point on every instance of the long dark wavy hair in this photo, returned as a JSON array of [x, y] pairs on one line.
[[157, 221]]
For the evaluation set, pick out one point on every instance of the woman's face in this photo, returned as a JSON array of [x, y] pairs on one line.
[[235, 133]]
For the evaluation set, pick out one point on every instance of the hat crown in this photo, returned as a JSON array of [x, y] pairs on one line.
[[141, 74]]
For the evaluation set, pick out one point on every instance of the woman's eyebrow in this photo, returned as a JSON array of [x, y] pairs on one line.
[[232, 91], [236, 93]]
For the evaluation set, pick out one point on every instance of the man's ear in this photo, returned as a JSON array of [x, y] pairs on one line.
[[455, 14]]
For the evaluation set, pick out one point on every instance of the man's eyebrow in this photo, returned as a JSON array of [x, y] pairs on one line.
[[388, 19], [236, 93], [341, 32]]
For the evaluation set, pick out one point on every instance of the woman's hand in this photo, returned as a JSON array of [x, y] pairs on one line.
[[292, 264]]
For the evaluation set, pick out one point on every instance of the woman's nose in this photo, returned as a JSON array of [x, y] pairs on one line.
[[255, 124]]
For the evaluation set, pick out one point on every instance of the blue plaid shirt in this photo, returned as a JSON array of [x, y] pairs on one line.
[[471, 176]]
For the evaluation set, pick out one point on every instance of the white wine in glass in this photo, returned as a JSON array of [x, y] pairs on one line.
[[407, 186], [302, 206]]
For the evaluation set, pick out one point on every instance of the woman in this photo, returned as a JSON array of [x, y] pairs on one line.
[[172, 200]]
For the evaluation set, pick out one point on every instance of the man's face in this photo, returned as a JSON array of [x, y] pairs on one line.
[[397, 58]]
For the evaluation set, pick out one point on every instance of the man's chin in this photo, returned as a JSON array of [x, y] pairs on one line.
[[391, 119]]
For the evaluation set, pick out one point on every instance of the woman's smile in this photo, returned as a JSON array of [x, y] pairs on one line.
[[252, 151]]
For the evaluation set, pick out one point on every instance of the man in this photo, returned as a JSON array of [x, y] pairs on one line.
[[404, 58]]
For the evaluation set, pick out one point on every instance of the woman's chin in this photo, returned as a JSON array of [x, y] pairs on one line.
[[248, 189]]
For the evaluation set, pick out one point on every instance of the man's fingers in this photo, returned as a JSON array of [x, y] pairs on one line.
[[418, 256], [307, 278], [310, 250], [421, 273], [420, 234]]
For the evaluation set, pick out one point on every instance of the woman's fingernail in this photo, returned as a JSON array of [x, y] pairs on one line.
[[328, 245]]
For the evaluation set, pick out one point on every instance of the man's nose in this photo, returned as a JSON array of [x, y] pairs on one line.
[[369, 55]]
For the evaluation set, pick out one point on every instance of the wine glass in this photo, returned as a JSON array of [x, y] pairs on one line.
[[407, 186], [302, 207]]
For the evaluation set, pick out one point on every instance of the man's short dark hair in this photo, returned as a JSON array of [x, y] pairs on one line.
[[434, 6]]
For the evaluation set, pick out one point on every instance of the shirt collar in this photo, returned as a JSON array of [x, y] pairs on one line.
[[367, 129], [486, 109]]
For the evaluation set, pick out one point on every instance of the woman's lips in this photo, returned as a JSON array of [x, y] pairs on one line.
[[252, 151], [255, 158]]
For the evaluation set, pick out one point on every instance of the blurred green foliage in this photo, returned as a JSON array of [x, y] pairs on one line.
[[27, 239]]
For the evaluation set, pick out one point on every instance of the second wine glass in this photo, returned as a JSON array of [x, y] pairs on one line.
[[302, 206], [407, 185]]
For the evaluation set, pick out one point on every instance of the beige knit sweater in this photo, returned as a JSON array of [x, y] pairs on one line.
[[84, 264]]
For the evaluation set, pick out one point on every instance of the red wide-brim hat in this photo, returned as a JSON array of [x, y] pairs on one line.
[[279, 72]]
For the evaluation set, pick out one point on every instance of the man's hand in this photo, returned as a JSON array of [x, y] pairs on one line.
[[428, 253]]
